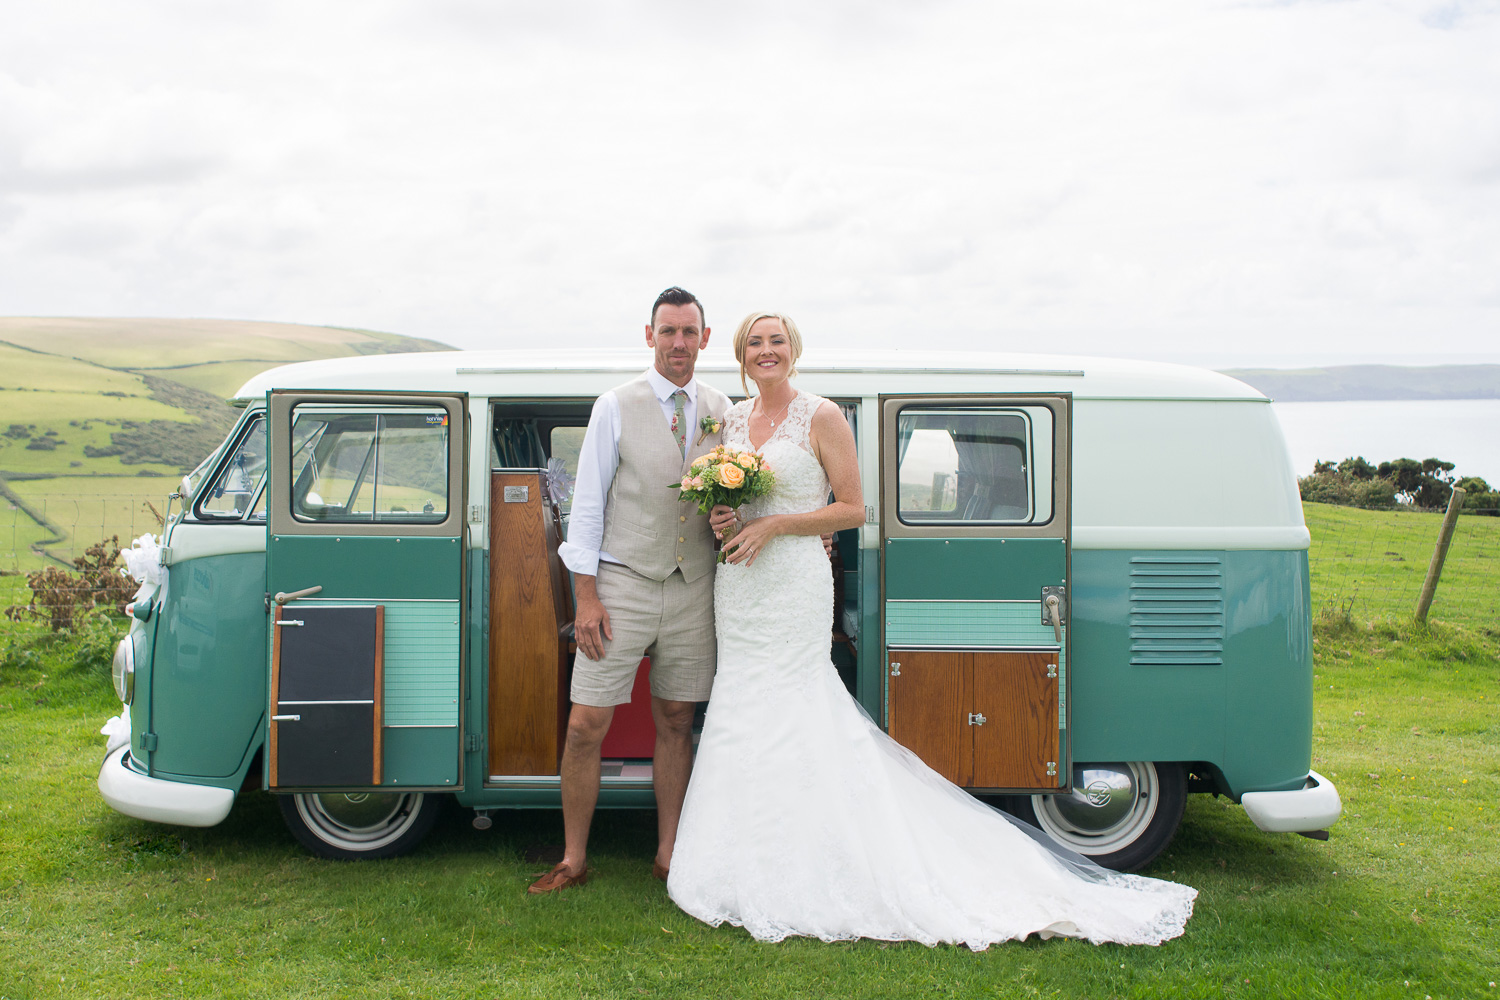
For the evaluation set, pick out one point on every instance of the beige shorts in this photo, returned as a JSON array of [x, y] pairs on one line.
[[671, 621]]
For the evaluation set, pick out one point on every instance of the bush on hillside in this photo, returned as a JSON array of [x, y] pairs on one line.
[[1330, 485], [1478, 497], [1406, 482], [61, 598]]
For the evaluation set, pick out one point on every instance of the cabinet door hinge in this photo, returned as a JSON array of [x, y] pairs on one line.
[[471, 742]]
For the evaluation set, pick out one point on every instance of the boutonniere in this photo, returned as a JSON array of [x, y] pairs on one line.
[[707, 426]]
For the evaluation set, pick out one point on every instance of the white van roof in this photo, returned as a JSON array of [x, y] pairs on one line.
[[581, 373]]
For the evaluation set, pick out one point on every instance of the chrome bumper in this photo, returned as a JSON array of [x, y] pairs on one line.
[[141, 796], [1314, 806]]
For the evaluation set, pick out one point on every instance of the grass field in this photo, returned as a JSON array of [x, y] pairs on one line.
[[1371, 564], [136, 388], [1400, 902], [85, 508]]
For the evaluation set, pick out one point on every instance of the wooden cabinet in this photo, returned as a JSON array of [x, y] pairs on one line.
[[982, 719]]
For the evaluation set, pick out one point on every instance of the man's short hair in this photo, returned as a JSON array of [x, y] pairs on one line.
[[675, 296]]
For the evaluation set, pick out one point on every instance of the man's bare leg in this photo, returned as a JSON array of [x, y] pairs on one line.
[[587, 727], [670, 770]]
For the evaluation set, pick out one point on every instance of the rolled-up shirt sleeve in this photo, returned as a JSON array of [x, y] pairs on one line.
[[598, 458]]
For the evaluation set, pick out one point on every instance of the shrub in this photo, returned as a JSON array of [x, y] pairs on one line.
[[1478, 497], [59, 597], [1330, 485]]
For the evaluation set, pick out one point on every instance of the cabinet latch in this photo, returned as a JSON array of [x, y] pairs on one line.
[[976, 719]]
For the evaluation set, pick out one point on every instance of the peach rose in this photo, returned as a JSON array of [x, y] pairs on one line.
[[746, 459], [703, 461], [697, 482], [687, 482], [731, 476]]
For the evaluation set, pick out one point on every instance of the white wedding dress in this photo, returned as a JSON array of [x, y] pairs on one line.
[[803, 818]]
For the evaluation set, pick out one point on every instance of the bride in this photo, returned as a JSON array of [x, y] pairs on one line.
[[802, 817]]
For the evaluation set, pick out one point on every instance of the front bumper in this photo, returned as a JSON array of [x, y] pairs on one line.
[[1314, 806], [141, 796]]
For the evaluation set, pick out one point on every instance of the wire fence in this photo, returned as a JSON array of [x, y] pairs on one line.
[[1371, 564], [1365, 564]]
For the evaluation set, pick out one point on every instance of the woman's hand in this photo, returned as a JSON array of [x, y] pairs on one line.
[[722, 517], [751, 539]]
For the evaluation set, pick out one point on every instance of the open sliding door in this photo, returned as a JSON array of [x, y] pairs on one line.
[[975, 538]]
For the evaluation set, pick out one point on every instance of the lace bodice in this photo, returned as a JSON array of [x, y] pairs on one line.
[[801, 483]]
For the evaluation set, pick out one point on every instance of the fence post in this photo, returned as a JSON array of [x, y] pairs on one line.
[[1435, 568]]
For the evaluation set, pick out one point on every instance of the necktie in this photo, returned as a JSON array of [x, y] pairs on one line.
[[679, 421]]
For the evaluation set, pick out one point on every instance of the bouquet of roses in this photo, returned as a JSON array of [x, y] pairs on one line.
[[725, 476]]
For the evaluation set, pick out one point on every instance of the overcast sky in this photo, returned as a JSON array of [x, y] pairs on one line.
[[1221, 183]]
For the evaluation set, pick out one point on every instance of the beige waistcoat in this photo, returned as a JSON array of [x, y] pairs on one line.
[[646, 526]]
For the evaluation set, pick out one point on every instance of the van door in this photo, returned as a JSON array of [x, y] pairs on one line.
[[974, 574], [365, 579]]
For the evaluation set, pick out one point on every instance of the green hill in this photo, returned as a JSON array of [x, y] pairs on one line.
[[100, 416]]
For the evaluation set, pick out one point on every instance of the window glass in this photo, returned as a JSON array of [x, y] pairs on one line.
[[564, 444], [239, 481], [969, 465], [369, 465]]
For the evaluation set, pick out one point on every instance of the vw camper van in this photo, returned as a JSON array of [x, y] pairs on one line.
[[1081, 588]]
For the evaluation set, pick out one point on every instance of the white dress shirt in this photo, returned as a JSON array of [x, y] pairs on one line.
[[598, 459]]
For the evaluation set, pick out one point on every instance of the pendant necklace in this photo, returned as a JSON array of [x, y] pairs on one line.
[[779, 413]]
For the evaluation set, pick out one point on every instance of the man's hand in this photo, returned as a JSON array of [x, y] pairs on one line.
[[590, 619], [828, 544]]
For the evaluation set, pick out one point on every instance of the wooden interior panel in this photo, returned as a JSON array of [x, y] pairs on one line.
[[1020, 734], [925, 701], [528, 607]]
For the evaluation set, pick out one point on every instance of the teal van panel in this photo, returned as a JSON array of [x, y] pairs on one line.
[[1269, 723], [420, 657], [356, 567], [936, 569], [1194, 656], [419, 757], [940, 624], [207, 680]]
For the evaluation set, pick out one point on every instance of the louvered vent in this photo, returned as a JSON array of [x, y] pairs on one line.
[[1177, 611]]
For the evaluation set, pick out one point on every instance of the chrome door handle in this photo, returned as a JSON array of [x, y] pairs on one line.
[[1050, 609], [286, 718], [282, 597]]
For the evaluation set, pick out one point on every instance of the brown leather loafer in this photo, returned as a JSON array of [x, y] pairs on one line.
[[557, 878], [659, 871]]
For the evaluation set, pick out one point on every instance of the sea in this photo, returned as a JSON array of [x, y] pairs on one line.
[[1465, 432]]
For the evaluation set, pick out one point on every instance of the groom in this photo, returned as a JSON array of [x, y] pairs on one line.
[[643, 572]]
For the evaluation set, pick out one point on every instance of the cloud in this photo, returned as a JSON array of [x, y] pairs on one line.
[[1157, 177]]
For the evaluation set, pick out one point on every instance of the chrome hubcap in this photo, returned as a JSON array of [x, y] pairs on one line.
[[359, 820], [1110, 806]]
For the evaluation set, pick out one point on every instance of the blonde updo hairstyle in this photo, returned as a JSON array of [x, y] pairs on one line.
[[742, 337]]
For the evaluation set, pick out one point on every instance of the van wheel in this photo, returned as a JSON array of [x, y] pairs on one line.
[[348, 826], [1119, 815]]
